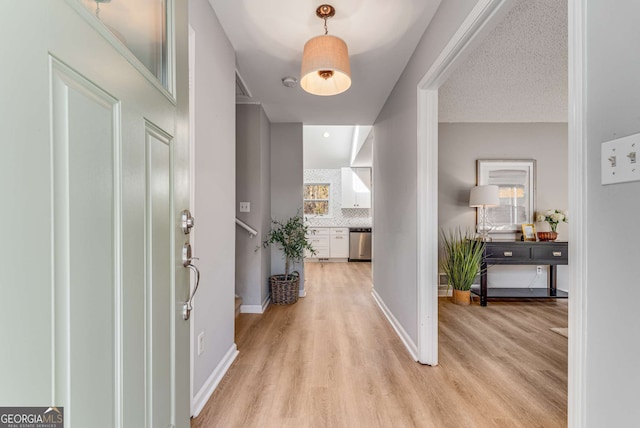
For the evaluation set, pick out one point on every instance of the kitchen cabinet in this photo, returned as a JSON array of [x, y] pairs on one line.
[[319, 239], [329, 242], [356, 187], [339, 242]]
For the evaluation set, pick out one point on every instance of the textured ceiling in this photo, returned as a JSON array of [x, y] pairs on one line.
[[268, 37], [517, 74]]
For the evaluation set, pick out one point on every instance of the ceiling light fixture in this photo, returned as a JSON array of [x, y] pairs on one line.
[[325, 61]]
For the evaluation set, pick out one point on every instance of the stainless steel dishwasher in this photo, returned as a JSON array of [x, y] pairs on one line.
[[360, 244]]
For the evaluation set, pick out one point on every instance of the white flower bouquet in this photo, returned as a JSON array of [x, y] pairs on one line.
[[553, 217]]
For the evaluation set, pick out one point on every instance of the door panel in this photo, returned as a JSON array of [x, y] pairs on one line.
[[159, 296], [87, 282], [93, 189]]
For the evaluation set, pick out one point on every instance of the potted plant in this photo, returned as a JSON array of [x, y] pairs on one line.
[[461, 263], [553, 217], [291, 237]]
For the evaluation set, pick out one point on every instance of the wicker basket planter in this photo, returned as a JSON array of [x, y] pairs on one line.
[[284, 290]]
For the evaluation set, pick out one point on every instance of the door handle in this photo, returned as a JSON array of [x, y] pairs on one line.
[[187, 307], [186, 262]]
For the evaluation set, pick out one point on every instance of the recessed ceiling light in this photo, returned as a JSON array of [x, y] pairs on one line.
[[326, 135]]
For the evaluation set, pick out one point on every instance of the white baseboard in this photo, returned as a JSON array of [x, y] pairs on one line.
[[400, 331], [198, 402], [255, 309]]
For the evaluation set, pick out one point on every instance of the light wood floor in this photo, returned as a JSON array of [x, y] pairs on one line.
[[332, 360]]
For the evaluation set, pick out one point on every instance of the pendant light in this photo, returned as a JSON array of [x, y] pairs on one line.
[[325, 61]]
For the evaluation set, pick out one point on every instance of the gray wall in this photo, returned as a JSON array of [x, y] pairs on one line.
[[613, 269], [214, 234], [253, 180], [265, 203], [461, 144], [286, 182], [394, 172]]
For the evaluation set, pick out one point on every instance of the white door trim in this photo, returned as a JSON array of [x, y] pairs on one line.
[[427, 139], [578, 282], [192, 201]]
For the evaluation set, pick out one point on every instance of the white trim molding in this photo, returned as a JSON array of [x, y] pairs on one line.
[[400, 331], [578, 236], [201, 398], [255, 309]]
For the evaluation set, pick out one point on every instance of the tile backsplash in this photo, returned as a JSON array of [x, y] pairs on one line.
[[338, 217]]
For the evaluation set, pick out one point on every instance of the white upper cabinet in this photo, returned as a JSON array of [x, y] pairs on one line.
[[356, 187]]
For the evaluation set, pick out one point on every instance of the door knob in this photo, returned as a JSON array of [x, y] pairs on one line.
[[186, 221]]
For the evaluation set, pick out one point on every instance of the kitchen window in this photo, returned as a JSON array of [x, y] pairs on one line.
[[316, 199]]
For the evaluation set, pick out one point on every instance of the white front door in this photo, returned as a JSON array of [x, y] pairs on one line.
[[93, 177]]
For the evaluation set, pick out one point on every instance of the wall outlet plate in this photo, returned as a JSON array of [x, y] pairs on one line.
[[619, 160], [245, 207], [539, 270], [200, 343]]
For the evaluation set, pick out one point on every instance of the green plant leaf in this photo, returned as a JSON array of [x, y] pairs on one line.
[[462, 258], [290, 236]]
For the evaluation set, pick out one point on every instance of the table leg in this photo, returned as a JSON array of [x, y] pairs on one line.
[[553, 278], [483, 284]]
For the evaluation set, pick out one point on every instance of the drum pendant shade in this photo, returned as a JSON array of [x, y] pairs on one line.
[[325, 61], [324, 54]]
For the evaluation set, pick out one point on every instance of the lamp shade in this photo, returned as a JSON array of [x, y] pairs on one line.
[[484, 196], [325, 66]]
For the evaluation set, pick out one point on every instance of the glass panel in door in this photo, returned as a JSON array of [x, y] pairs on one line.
[[140, 25]]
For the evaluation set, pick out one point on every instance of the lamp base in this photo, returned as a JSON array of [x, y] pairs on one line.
[[484, 238]]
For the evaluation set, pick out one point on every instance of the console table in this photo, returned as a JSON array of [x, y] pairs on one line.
[[522, 253]]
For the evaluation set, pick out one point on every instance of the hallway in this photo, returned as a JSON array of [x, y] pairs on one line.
[[332, 360]]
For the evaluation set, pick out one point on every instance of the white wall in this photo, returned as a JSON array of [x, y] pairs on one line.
[[613, 254], [214, 234], [461, 144], [394, 172], [253, 184], [286, 183]]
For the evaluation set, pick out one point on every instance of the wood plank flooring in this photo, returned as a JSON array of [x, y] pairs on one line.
[[332, 360]]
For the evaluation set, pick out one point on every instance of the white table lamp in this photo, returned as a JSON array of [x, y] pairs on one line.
[[482, 197]]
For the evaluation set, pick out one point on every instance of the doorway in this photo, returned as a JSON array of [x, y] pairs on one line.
[[338, 192], [474, 27]]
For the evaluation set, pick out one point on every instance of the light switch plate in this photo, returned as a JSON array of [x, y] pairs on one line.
[[619, 160], [245, 207]]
